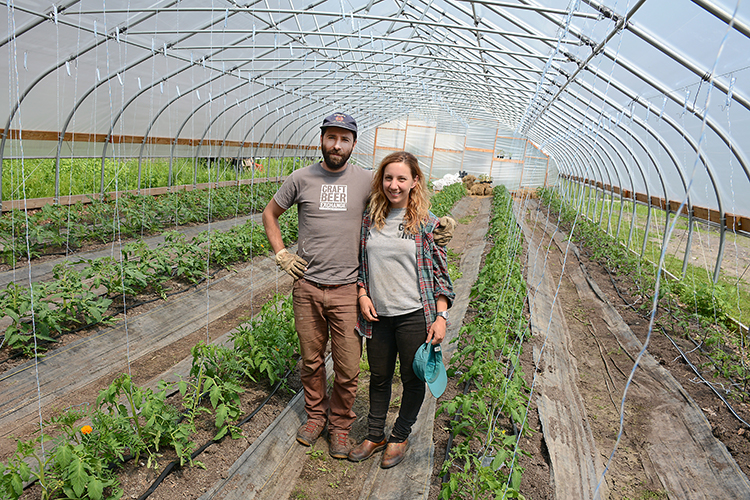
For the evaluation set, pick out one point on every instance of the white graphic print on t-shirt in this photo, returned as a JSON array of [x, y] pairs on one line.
[[332, 197]]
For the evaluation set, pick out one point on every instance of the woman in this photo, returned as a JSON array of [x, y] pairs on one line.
[[404, 294]]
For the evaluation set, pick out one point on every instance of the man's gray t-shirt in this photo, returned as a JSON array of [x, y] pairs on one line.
[[330, 207]]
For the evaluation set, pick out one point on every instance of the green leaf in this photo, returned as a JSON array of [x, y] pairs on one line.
[[209, 383], [515, 479], [96, 488], [64, 455], [221, 415], [482, 406], [499, 459], [25, 471], [215, 394], [17, 484], [222, 432], [77, 475]]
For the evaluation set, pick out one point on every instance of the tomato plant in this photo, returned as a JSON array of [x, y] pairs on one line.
[[487, 357], [268, 343], [71, 465], [104, 220]]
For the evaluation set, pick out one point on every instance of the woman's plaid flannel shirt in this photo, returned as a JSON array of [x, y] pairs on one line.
[[432, 271]]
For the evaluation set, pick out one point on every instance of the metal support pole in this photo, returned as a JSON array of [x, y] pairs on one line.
[[689, 243], [648, 224], [632, 222], [722, 242], [619, 217]]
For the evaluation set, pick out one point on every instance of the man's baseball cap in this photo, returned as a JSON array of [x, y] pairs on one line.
[[340, 120]]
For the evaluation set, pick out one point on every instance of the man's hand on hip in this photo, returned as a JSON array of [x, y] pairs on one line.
[[291, 263], [444, 232]]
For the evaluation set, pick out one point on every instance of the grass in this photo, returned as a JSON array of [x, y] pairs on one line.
[[35, 178], [364, 364], [467, 219], [652, 495], [315, 454]]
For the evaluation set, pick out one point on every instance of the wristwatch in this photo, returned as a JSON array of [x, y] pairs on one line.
[[443, 314]]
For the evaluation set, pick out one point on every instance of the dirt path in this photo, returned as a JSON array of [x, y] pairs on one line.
[[585, 351]]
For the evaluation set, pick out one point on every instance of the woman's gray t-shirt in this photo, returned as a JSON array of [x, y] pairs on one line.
[[392, 267]]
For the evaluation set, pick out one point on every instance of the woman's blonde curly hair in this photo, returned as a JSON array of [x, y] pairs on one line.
[[418, 207]]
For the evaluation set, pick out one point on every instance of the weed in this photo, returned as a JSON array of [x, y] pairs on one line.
[[651, 494], [364, 363], [454, 262], [298, 494], [315, 454]]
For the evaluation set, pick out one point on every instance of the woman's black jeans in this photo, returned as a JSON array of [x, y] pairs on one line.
[[402, 336]]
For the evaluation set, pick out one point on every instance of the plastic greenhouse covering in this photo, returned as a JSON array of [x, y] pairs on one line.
[[636, 112], [651, 90]]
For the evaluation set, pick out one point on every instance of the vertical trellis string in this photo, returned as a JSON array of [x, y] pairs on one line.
[[13, 48], [663, 251]]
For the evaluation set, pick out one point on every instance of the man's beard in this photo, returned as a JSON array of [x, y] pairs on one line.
[[334, 164]]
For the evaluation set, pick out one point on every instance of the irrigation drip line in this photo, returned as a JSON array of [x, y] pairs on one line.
[[512, 248], [619, 294], [698, 345], [175, 463], [452, 435], [191, 286], [695, 370], [125, 459], [684, 356]]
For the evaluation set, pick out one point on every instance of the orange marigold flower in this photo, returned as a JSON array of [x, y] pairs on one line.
[[86, 429]]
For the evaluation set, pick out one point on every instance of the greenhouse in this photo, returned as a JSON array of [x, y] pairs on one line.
[[584, 277]]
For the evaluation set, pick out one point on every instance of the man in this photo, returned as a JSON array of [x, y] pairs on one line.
[[331, 196]]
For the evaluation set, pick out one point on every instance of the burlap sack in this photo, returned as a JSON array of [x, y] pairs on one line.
[[477, 190], [469, 182]]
